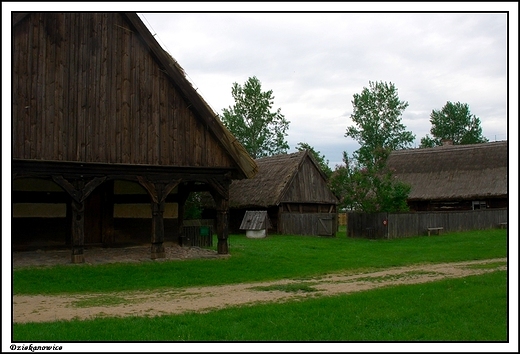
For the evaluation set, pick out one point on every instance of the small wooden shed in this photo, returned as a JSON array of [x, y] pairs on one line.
[[256, 224], [294, 192], [454, 177], [103, 117]]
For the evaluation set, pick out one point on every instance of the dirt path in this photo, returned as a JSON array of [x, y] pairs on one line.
[[202, 299]]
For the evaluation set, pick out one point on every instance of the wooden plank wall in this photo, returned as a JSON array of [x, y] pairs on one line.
[[415, 224], [309, 186], [307, 224], [86, 88]]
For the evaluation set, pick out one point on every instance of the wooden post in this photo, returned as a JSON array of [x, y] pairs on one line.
[[107, 214], [157, 249], [79, 191], [68, 220], [222, 226], [158, 193], [183, 194], [220, 194], [78, 231]]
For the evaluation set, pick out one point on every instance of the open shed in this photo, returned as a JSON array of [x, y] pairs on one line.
[[104, 123]]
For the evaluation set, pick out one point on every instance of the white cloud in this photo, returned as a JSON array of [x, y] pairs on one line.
[[316, 62]]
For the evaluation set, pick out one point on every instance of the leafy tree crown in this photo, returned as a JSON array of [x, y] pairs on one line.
[[377, 112], [251, 120], [453, 122]]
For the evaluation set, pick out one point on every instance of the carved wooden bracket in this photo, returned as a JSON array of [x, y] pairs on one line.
[[219, 188], [158, 191], [79, 195]]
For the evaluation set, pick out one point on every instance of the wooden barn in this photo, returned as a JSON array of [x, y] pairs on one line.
[[109, 137], [293, 190], [454, 177]]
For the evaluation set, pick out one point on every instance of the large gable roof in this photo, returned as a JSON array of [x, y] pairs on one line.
[[247, 166], [453, 171], [275, 175]]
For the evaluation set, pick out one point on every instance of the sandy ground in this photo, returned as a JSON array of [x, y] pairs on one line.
[[202, 299]]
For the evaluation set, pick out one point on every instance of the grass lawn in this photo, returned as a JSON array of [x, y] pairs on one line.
[[467, 309], [271, 258]]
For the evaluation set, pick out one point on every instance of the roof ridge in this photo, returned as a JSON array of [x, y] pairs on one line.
[[445, 148]]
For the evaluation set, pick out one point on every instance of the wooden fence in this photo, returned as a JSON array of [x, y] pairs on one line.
[[198, 233], [342, 219], [321, 224], [398, 225]]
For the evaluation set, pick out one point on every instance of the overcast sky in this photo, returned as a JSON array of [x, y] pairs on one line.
[[315, 62]]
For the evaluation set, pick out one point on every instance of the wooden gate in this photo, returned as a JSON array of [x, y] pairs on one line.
[[367, 225], [325, 226]]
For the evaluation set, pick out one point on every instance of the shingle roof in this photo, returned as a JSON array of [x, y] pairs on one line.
[[255, 220]]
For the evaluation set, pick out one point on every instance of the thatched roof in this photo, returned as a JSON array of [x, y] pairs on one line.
[[275, 175], [453, 171]]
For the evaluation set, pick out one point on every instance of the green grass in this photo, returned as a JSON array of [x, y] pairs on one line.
[[271, 258], [467, 309], [288, 288]]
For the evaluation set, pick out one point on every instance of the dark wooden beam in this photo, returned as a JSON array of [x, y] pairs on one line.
[[80, 170]]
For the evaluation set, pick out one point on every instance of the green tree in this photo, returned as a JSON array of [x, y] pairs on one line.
[[341, 183], [320, 159], [252, 121], [377, 117], [369, 188], [193, 206], [453, 122], [364, 182]]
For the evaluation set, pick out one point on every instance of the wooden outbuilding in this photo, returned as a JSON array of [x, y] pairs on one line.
[[454, 177], [294, 192], [104, 120]]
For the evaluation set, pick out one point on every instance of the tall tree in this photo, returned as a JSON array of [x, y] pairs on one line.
[[320, 159], [454, 122], [252, 121], [364, 183], [377, 116], [369, 188]]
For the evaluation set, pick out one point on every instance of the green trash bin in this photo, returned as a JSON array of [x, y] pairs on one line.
[[206, 238], [204, 231]]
